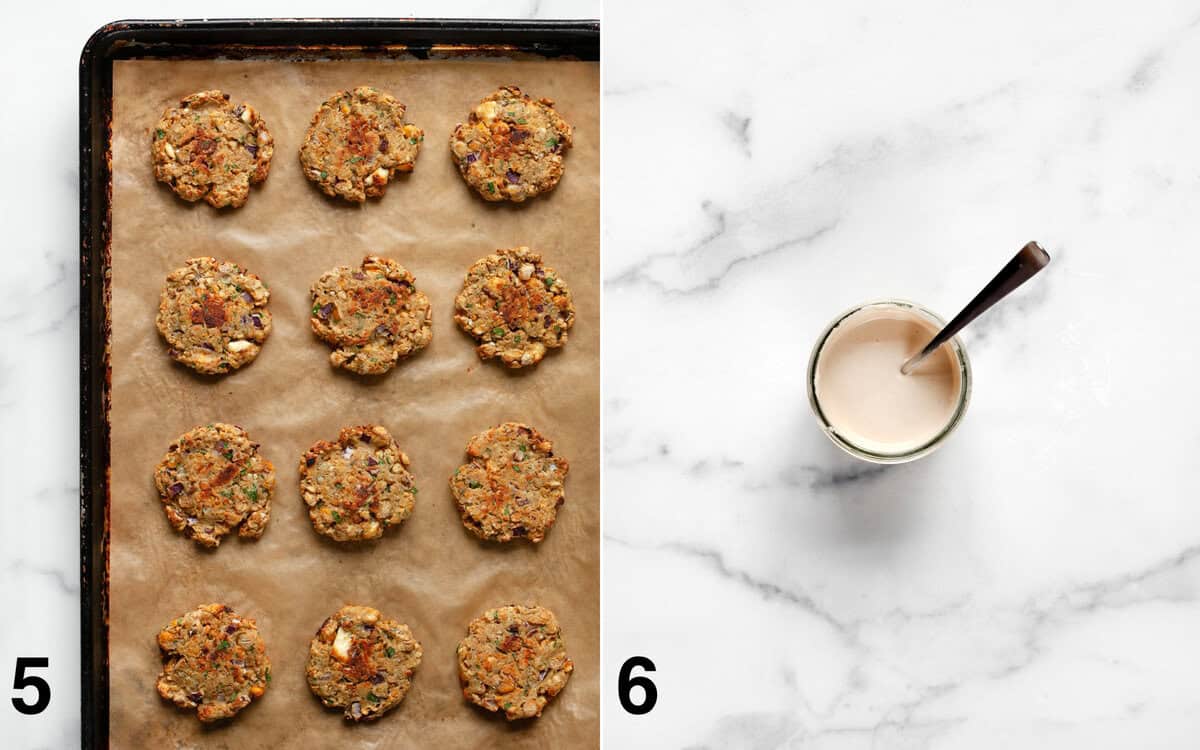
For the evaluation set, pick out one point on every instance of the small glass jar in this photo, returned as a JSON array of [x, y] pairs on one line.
[[910, 454]]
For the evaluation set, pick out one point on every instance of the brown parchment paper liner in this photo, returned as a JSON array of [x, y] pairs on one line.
[[429, 573]]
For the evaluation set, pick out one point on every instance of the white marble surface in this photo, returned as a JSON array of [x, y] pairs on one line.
[[1032, 585], [39, 475]]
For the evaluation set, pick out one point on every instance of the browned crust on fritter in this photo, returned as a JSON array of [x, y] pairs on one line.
[[213, 661], [210, 148], [511, 147], [357, 487], [213, 480], [362, 663], [372, 316], [357, 142], [512, 486], [515, 307], [513, 660]]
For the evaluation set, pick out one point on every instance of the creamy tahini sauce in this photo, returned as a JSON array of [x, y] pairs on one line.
[[862, 393]]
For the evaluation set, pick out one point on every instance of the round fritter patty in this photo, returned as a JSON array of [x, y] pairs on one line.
[[511, 147], [213, 480], [213, 315], [515, 307], [210, 148], [357, 487], [214, 661], [357, 141], [372, 316], [513, 659], [362, 663], [512, 485]]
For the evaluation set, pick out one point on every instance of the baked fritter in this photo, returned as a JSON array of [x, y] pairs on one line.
[[357, 487], [357, 141], [214, 661], [513, 660], [362, 663], [372, 316], [213, 315], [511, 147], [512, 485], [210, 148], [214, 480], [515, 307]]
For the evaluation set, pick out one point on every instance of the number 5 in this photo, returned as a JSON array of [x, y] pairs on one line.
[[22, 681]]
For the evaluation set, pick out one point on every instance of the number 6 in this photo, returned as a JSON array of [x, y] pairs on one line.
[[625, 683]]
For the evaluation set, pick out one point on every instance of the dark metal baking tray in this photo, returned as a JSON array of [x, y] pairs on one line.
[[242, 38]]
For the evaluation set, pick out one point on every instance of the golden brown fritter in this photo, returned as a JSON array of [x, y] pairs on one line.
[[213, 315], [357, 487], [513, 660], [515, 307], [214, 480], [372, 315], [210, 148], [214, 661], [511, 147], [357, 142], [512, 486], [362, 663]]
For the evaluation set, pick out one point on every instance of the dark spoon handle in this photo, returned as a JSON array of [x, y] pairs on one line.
[[1027, 262]]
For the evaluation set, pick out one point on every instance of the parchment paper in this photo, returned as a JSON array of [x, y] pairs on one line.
[[429, 573]]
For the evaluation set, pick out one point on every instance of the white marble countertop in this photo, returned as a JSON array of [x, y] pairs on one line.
[[1033, 584]]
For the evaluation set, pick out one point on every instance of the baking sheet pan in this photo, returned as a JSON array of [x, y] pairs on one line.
[[429, 573]]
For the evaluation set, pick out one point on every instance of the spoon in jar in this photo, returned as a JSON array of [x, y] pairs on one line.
[[1027, 262]]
